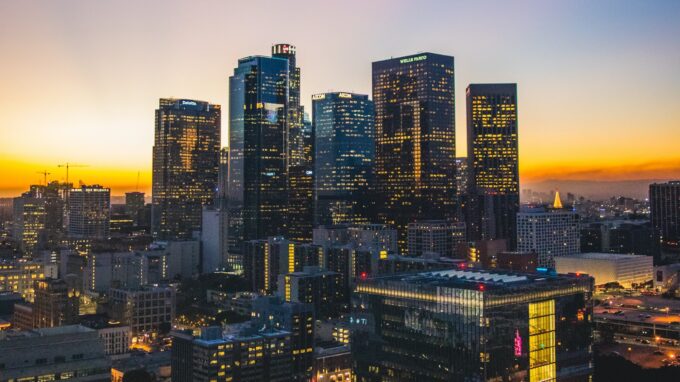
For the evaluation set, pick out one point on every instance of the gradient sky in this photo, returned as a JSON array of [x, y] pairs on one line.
[[598, 81]]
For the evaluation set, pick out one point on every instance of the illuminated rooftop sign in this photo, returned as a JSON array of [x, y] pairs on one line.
[[191, 103], [413, 59], [318, 96]]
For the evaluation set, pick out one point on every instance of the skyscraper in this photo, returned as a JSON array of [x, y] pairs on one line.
[[493, 201], [270, 173], [344, 157], [28, 223], [89, 214], [298, 159], [415, 139], [258, 178], [664, 201], [185, 165]]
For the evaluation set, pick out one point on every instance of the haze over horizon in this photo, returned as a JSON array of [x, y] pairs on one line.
[[597, 82]]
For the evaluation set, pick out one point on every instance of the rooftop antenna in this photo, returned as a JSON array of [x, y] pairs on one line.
[[137, 185]]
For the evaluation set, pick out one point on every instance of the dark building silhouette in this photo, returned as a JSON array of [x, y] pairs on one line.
[[344, 158], [185, 165], [493, 200], [664, 201], [415, 139]]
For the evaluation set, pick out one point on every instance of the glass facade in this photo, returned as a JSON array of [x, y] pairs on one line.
[[298, 150], [185, 165], [493, 162], [258, 177], [415, 139], [344, 156], [472, 326]]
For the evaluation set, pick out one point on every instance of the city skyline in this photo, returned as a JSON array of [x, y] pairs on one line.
[[573, 66]]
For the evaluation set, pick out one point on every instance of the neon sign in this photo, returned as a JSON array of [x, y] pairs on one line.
[[413, 59], [518, 344]]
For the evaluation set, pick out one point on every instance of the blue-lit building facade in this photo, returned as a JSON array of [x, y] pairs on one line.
[[258, 177], [344, 149], [472, 325]]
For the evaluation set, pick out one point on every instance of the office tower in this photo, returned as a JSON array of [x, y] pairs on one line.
[[493, 186], [89, 214], [462, 176], [69, 352], [460, 325], [415, 138], [29, 223], [186, 156], [550, 232], [344, 146], [56, 303], [434, 236], [258, 166], [299, 162], [313, 285], [38, 218], [18, 276], [246, 357], [664, 202], [134, 207], [126, 270], [265, 260], [144, 309], [296, 318]]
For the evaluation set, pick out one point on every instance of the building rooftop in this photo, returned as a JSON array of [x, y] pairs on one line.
[[603, 256], [482, 280]]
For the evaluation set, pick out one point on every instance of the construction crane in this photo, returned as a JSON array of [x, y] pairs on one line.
[[44, 173], [69, 165]]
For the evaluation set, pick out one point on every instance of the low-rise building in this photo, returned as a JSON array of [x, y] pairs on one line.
[[247, 357], [70, 352], [627, 270], [144, 310]]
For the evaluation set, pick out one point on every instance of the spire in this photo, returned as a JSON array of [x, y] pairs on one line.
[[557, 203]]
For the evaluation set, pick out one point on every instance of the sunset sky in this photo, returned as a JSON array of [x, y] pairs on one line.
[[598, 81]]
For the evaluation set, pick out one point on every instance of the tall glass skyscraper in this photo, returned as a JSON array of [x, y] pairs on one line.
[[258, 176], [491, 212], [415, 139], [298, 162], [344, 156], [186, 156]]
